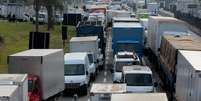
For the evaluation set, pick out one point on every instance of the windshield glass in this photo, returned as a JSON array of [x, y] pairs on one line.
[[30, 85], [90, 56], [119, 65], [138, 79], [74, 69]]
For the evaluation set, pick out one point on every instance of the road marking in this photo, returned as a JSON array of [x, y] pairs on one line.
[[104, 80], [105, 73], [88, 99]]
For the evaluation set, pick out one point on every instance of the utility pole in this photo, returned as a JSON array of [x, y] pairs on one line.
[[37, 14]]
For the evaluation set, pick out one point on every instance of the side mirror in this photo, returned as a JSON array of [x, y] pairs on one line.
[[155, 84], [87, 73]]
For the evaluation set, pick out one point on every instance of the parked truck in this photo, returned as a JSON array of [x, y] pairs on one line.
[[123, 59], [45, 69], [88, 44], [188, 76], [21, 83], [140, 97], [138, 79], [168, 56], [10, 93], [92, 28], [76, 72], [128, 36]]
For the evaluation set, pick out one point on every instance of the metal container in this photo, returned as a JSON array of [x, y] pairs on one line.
[[48, 64], [10, 93], [20, 80]]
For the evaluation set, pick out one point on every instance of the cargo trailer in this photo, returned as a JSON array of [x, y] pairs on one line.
[[188, 76], [46, 64], [20, 80], [139, 97], [128, 36], [158, 25], [10, 93], [168, 57]]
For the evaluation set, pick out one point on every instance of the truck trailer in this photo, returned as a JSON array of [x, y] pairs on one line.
[[19, 80], [128, 36], [46, 65]]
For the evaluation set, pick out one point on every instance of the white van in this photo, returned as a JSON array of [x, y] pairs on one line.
[[76, 74], [138, 79]]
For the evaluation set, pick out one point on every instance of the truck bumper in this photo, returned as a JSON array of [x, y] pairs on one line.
[[70, 88]]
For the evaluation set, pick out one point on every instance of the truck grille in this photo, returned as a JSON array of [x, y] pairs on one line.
[[73, 85]]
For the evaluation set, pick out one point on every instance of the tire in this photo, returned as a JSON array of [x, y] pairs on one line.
[[85, 89]]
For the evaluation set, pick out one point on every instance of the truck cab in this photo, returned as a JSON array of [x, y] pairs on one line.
[[138, 79], [76, 71], [34, 87], [123, 59]]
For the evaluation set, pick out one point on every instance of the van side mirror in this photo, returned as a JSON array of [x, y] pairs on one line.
[[112, 70], [155, 84], [87, 73]]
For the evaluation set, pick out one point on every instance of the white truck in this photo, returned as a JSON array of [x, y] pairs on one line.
[[45, 69], [188, 76], [19, 80], [103, 92], [90, 45], [138, 79], [123, 59], [153, 8], [76, 72], [10, 93], [140, 97]]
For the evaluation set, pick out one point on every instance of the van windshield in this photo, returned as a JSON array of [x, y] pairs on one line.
[[74, 69], [138, 79], [119, 65]]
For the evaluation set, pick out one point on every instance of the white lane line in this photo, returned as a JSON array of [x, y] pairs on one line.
[[105, 73], [104, 80]]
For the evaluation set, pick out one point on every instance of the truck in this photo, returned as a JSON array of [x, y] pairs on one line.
[[40, 65], [19, 80], [157, 25], [153, 8], [9, 93], [122, 59], [140, 97], [171, 44], [188, 76], [128, 36], [103, 92], [88, 44], [76, 72], [92, 28], [138, 79]]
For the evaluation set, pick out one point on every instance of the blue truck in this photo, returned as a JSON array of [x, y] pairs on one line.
[[92, 28], [128, 36]]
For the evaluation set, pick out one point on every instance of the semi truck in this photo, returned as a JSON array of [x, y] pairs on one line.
[[138, 79], [128, 36], [171, 44], [140, 97], [92, 28], [76, 72], [188, 76], [10, 93], [21, 83], [88, 44], [123, 59], [45, 69]]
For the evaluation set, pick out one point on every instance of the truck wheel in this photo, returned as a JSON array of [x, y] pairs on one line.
[[85, 89]]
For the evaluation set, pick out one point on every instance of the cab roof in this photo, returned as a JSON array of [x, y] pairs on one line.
[[137, 69], [75, 58]]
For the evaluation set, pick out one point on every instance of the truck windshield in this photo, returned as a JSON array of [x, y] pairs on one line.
[[90, 56], [74, 69], [30, 85], [119, 65], [138, 79]]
